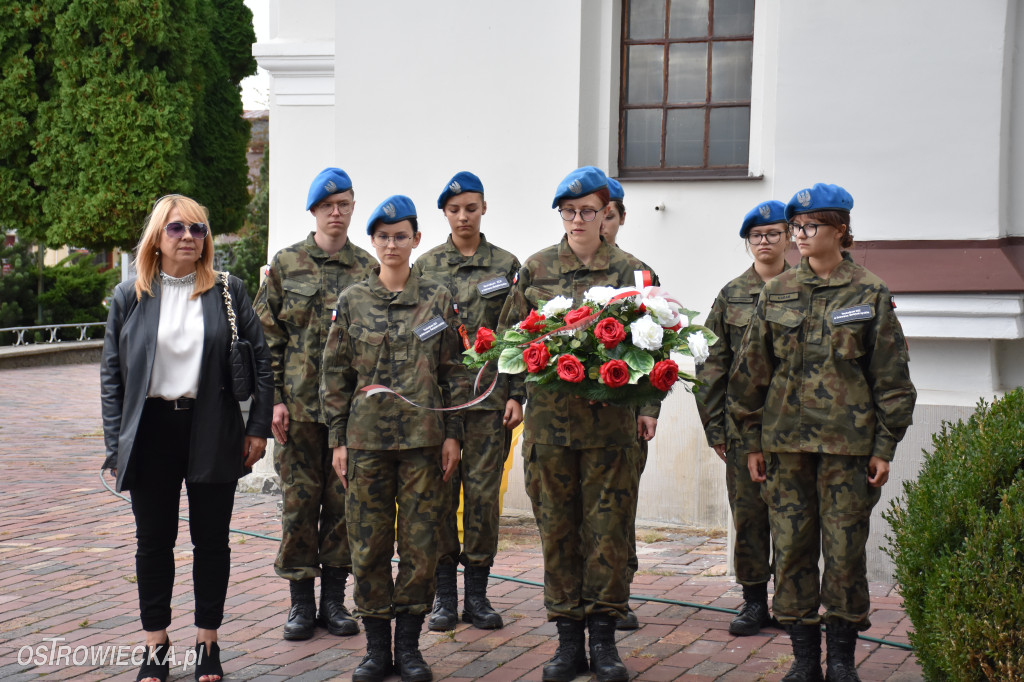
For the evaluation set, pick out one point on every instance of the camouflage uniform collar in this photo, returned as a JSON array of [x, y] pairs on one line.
[[482, 257], [408, 295], [753, 281], [345, 254], [570, 262], [842, 274]]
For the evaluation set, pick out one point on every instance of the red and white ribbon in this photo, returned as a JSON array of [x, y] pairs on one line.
[[374, 389]]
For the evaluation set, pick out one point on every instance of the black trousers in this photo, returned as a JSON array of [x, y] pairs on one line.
[[160, 460]]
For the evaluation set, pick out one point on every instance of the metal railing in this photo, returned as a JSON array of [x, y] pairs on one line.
[[53, 329]]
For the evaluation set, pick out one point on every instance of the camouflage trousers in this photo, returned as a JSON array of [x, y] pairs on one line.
[[484, 449], [639, 457], [581, 500], [377, 481], [820, 503], [752, 551], [313, 519]]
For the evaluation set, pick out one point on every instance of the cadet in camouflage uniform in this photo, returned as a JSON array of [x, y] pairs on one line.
[[615, 218], [295, 305], [398, 330], [481, 276], [767, 235], [821, 394], [578, 461]]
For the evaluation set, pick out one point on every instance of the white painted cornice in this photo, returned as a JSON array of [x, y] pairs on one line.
[[961, 316], [302, 73]]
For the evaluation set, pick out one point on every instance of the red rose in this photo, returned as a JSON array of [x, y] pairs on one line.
[[532, 323], [536, 357], [484, 340], [570, 369], [615, 373], [664, 374], [610, 332], [574, 316]]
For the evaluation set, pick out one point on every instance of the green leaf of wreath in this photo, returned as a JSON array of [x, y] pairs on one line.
[[639, 360], [511, 361]]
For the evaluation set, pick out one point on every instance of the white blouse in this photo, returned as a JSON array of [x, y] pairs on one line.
[[179, 340]]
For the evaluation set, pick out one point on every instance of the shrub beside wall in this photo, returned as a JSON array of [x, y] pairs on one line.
[[958, 545]]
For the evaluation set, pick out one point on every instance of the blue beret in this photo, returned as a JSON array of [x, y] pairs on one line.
[[329, 181], [579, 183], [765, 213], [464, 181], [821, 197], [615, 189], [394, 209]]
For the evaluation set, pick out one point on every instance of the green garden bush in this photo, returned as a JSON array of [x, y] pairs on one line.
[[958, 546]]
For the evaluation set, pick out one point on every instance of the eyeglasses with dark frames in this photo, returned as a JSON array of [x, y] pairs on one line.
[[809, 229], [176, 230], [771, 237], [586, 214]]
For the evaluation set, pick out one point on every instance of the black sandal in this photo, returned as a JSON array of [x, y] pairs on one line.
[[156, 663], [208, 660]]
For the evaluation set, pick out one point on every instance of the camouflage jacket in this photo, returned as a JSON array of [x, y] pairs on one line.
[[728, 319], [405, 340], [480, 284], [823, 367], [295, 304], [553, 417]]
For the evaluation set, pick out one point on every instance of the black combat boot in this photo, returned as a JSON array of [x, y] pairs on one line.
[[445, 615], [754, 613], [333, 614], [604, 656], [570, 659], [302, 616], [408, 659], [630, 622], [840, 644], [806, 653], [477, 609], [376, 664]]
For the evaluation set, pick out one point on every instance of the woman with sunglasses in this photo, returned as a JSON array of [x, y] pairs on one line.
[[821, 394], [168, 417], [395, 329], [578, 455], [766, 235]]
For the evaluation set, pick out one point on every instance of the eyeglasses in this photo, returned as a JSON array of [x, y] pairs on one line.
[[176, 230], [398, 240], [328, 207], [809, 229], [772, 237], [586, 214]]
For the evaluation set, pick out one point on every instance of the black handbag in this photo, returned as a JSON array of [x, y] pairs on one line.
[[241, 359]]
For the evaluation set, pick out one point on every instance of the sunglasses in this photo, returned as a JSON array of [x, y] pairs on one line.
[[176, 230]]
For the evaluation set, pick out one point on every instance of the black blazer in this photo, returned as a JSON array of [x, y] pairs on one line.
[[218, 435]]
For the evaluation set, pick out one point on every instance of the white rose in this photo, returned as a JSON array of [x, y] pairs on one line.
[[698, 347], [600, 295], [556, 306], [664, 312], [647, 334]]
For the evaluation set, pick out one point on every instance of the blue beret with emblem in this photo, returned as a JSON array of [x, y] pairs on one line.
[[463, 181], [580, 183], [615, 190], [329, 181], [765, 213], [821, 197], [394, 209]]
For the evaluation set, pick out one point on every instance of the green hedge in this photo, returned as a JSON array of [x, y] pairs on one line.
[[958, 545]]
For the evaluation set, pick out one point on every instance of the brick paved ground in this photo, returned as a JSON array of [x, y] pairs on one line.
[[67, 571]]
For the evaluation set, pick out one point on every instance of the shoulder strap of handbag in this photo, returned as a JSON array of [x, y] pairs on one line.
[[229, 307]]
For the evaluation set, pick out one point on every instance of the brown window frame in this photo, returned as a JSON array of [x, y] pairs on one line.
[[661, 172]]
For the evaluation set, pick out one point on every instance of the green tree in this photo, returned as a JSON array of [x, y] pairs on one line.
[[17, 287], [249, 253], [75, 289]]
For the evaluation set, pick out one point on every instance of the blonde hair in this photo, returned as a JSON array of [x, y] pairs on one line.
[[147, 260]]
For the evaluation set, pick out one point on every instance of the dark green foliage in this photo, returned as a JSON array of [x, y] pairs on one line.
[[74, 291], [957, 544], [18, 287], [249, 253]]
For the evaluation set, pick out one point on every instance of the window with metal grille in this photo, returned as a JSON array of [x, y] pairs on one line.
[[684, 105]]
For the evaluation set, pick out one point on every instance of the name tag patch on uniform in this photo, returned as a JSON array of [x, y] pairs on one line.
[[431, 327], [492, 285], [741, 299], [854, 314], [792, 296]]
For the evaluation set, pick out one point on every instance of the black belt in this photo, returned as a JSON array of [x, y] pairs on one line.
[[176, 404]]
